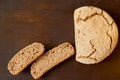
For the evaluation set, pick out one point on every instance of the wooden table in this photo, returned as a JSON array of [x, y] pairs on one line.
[[51, 22]]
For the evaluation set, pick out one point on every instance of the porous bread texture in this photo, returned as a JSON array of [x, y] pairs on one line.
[[25, 57], [51, 58]]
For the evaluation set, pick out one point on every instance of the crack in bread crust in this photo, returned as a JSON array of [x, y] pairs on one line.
[[94, 50], [88, 17], [95, 59], [92, 15], [99, 14], [110, 40]]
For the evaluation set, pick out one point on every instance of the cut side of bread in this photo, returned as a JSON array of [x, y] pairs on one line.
[[25, 57], [51, 58]]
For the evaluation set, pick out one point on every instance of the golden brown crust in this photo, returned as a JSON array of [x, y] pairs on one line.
[[50, 59], [25, 57], [96, 34]]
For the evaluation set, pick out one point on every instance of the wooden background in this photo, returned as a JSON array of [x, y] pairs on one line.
[[51, 23]]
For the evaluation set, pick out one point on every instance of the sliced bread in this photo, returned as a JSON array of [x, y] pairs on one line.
[[25, 57], [50, 59]]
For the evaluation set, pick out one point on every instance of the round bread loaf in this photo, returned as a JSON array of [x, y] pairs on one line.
[[96, 34]]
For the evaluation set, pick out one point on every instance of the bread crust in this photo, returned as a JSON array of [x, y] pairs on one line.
[[25, 57], [96, 34], [51, 58]]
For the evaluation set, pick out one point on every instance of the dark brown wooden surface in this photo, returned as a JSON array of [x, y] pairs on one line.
[[51, 23]]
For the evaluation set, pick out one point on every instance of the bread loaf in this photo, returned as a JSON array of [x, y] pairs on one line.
[[96, 34]]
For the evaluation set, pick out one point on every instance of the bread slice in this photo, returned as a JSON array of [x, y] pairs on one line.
[[25, 57], [50, 59]]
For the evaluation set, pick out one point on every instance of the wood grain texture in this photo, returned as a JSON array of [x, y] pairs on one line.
[[51, 23]]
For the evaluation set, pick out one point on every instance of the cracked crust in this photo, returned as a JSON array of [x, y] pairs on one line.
[[96, 34]]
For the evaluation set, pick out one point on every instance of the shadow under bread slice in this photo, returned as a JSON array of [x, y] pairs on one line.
[[25, 57], [51, 58]]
